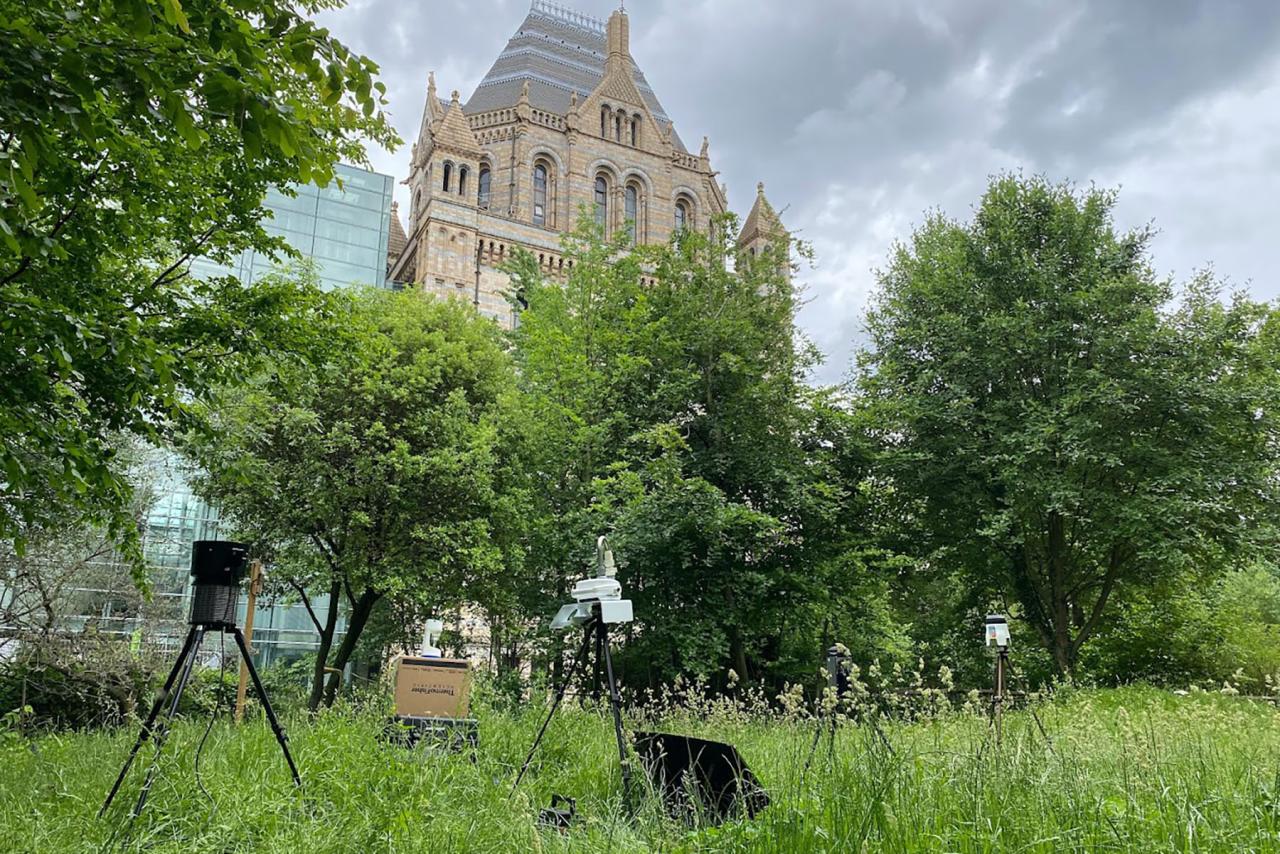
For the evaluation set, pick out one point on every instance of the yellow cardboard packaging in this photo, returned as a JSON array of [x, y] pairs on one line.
[[432, 687]]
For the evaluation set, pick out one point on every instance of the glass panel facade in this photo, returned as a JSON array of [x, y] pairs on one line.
[[343, 228]]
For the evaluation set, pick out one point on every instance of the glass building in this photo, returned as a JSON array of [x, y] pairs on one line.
[[344, 230]]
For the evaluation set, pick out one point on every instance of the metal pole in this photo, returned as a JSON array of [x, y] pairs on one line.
[[997, 697], [615, 702], [276, 727], [163, 735], [149, 725], [255, 587]]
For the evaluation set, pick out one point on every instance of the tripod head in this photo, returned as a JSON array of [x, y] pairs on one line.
[[599, 596], [838, 670]]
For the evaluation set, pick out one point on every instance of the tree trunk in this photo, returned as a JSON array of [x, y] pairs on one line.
[[326, 643], [738, 653], [1057, 563], [355, 626]]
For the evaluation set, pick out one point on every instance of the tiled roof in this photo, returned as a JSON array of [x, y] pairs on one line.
[[453, 130], [559, 52]]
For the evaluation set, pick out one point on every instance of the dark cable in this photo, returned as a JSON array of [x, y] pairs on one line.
[[222, 670]]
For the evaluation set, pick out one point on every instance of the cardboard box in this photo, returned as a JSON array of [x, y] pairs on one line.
[[433, 687]]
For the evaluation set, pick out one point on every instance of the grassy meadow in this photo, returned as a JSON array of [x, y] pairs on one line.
[[1126, 770]]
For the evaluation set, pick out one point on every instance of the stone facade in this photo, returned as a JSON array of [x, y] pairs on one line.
[[563, 123]]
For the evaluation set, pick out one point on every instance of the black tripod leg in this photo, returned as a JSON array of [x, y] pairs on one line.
[[813, 748], [163, 735], [151, 718], [596, 664], [564, 686], [616, 702], [266, 705]]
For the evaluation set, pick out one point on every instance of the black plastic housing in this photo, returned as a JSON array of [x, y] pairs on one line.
[[217, 566]]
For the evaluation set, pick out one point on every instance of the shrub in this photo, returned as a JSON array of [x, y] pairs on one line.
[[77, 681]]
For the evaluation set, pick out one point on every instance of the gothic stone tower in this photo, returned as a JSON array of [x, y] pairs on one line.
[[563, 121]]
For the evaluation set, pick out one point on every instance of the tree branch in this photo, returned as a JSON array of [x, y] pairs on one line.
[[1108, 583], [28, 260], [163, 278], [306, 603]]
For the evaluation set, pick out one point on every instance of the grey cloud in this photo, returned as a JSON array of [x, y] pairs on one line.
[[861, 115]]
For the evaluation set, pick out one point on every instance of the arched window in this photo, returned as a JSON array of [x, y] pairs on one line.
[[604, 121], [540, 194], [462, 180], [635, 130], [632, 202], [682, 215], [617, 127], [602, 201], [486, 184], [448, 176]]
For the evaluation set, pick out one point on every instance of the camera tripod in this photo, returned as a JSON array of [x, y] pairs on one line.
[[181, 674], [828, 721], [594, 631]]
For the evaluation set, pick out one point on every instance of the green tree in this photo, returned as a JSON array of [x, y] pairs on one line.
[[381, 473], [1058, 423], [135, 135], [667, 395]]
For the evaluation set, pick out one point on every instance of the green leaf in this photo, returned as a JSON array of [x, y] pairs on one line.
[[174, 15]]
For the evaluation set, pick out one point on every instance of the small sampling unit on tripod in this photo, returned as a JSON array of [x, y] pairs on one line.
[[217, 568], [696, 778]]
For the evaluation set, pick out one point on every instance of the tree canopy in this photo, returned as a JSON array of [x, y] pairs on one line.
[[667, 404], [382, 472], [1058, 423], [135, 135]]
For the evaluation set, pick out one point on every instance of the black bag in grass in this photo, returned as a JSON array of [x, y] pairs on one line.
[[697, 778]]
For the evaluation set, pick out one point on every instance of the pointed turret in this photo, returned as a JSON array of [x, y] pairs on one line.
[[454, 131], [618, 38], [397, 240], [762, 227], [617, 95], [431, 113]]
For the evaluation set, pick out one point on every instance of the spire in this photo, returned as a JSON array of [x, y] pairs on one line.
[[618, 85], [430, 115], [618, 35], [762, 222], [454, 131], [396, 239], [433, 111]]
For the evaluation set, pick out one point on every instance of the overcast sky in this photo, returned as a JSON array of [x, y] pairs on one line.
[[861, 116]]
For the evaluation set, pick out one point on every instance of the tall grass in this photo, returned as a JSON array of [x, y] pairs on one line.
[[1127, 770]]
